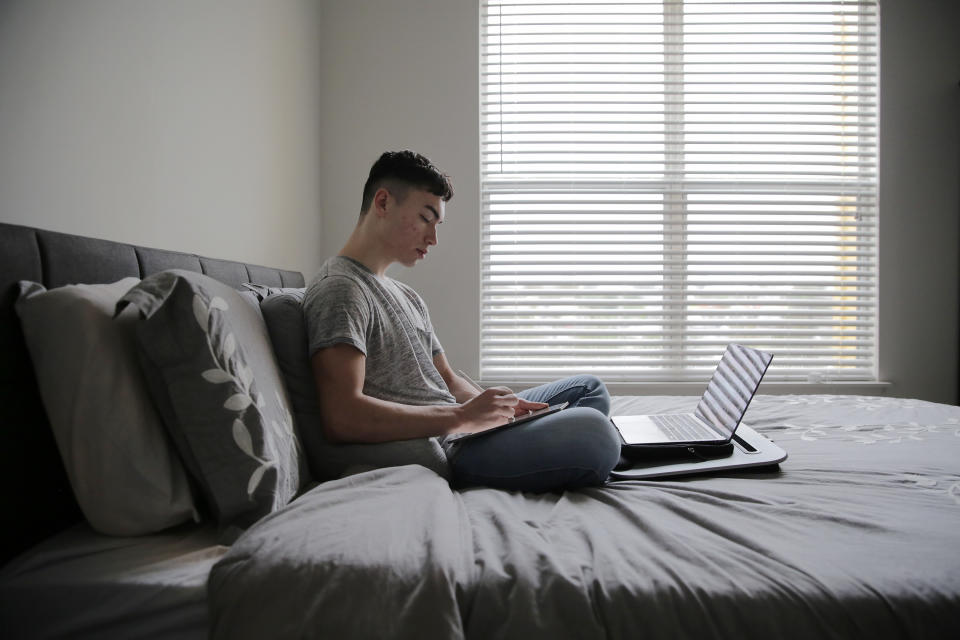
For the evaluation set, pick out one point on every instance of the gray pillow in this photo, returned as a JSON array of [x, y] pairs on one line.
[[282, 311], [123, 469], [214, 378]]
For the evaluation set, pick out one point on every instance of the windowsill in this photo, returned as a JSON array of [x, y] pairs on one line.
[[696, 388]]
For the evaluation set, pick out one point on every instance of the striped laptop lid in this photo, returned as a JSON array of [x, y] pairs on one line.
[[732, 387]]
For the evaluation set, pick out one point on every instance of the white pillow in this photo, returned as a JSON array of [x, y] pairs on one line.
[[122, 467]]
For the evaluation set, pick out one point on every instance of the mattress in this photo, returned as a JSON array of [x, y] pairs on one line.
[[81, 584]]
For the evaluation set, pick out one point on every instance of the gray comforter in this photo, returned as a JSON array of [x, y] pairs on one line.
[[855, 535]]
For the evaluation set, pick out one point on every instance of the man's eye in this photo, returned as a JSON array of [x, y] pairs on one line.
[[425, 219]]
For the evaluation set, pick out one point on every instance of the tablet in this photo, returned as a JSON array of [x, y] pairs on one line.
[[527, 417]]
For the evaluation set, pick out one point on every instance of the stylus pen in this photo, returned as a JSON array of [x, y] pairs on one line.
[[470, 380]]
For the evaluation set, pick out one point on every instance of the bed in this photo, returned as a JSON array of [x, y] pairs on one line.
[[854, 535]]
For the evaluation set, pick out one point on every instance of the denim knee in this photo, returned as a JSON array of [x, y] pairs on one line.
[[596, 396], [591, 450], [583, 390], [595, 446]]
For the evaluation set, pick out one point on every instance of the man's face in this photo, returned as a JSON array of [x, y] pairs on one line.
[[412, 225]]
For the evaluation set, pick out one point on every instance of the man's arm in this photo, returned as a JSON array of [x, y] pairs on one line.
[[349, 415]]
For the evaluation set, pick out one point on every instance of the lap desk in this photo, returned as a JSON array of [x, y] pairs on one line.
[[750, 449]]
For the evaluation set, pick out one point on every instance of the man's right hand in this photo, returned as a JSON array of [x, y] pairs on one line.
[[492, 408]]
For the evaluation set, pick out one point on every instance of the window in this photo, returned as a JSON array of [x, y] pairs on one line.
[[661, 178]]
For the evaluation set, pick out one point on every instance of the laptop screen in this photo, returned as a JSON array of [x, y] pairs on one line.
[[732, 387]]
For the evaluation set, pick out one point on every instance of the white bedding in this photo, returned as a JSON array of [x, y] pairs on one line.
[[82, 584]]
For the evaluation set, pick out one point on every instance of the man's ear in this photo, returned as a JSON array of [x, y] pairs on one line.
[[381, 199]]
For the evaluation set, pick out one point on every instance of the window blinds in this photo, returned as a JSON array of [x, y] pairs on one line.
[[659, 179]]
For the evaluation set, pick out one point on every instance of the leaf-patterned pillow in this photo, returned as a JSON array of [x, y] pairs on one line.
[[214, 377]]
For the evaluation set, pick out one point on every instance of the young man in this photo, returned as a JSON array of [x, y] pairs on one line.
[[381, 372]]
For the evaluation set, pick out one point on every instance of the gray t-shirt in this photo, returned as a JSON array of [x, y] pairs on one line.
[[387, 321]]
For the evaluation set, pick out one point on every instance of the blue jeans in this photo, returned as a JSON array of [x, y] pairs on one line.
[[576, 447]]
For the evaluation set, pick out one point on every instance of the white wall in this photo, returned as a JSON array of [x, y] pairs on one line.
[[181, 124], [404, 74]]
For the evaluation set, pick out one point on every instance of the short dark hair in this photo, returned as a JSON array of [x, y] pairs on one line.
[[400, 170]]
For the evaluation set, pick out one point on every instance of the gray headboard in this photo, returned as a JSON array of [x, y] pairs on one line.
[[37, 500]]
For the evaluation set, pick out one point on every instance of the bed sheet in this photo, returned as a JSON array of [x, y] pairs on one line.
[[82, 584], [855, 535]]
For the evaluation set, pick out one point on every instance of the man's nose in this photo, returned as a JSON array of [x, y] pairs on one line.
[[432, 236]]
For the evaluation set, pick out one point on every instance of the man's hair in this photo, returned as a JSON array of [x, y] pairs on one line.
[[401, 170]]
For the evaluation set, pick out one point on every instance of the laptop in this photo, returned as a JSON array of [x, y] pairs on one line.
[[719, 412], [717, 420]]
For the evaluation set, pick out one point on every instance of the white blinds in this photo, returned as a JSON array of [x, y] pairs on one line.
[[661, 178]]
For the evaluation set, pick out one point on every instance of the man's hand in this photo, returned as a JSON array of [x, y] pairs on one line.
[[526, 406], [492, 408]]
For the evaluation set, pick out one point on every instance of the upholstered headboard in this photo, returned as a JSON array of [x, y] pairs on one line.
[[37, 500]]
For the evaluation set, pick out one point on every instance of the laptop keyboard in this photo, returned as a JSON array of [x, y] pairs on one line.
[[682, 427]]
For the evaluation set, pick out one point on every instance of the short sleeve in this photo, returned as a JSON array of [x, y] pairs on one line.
[[336, 311]]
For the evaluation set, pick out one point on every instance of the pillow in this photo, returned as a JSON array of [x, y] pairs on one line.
[[123, 469], [215, 380], [282, 311]]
